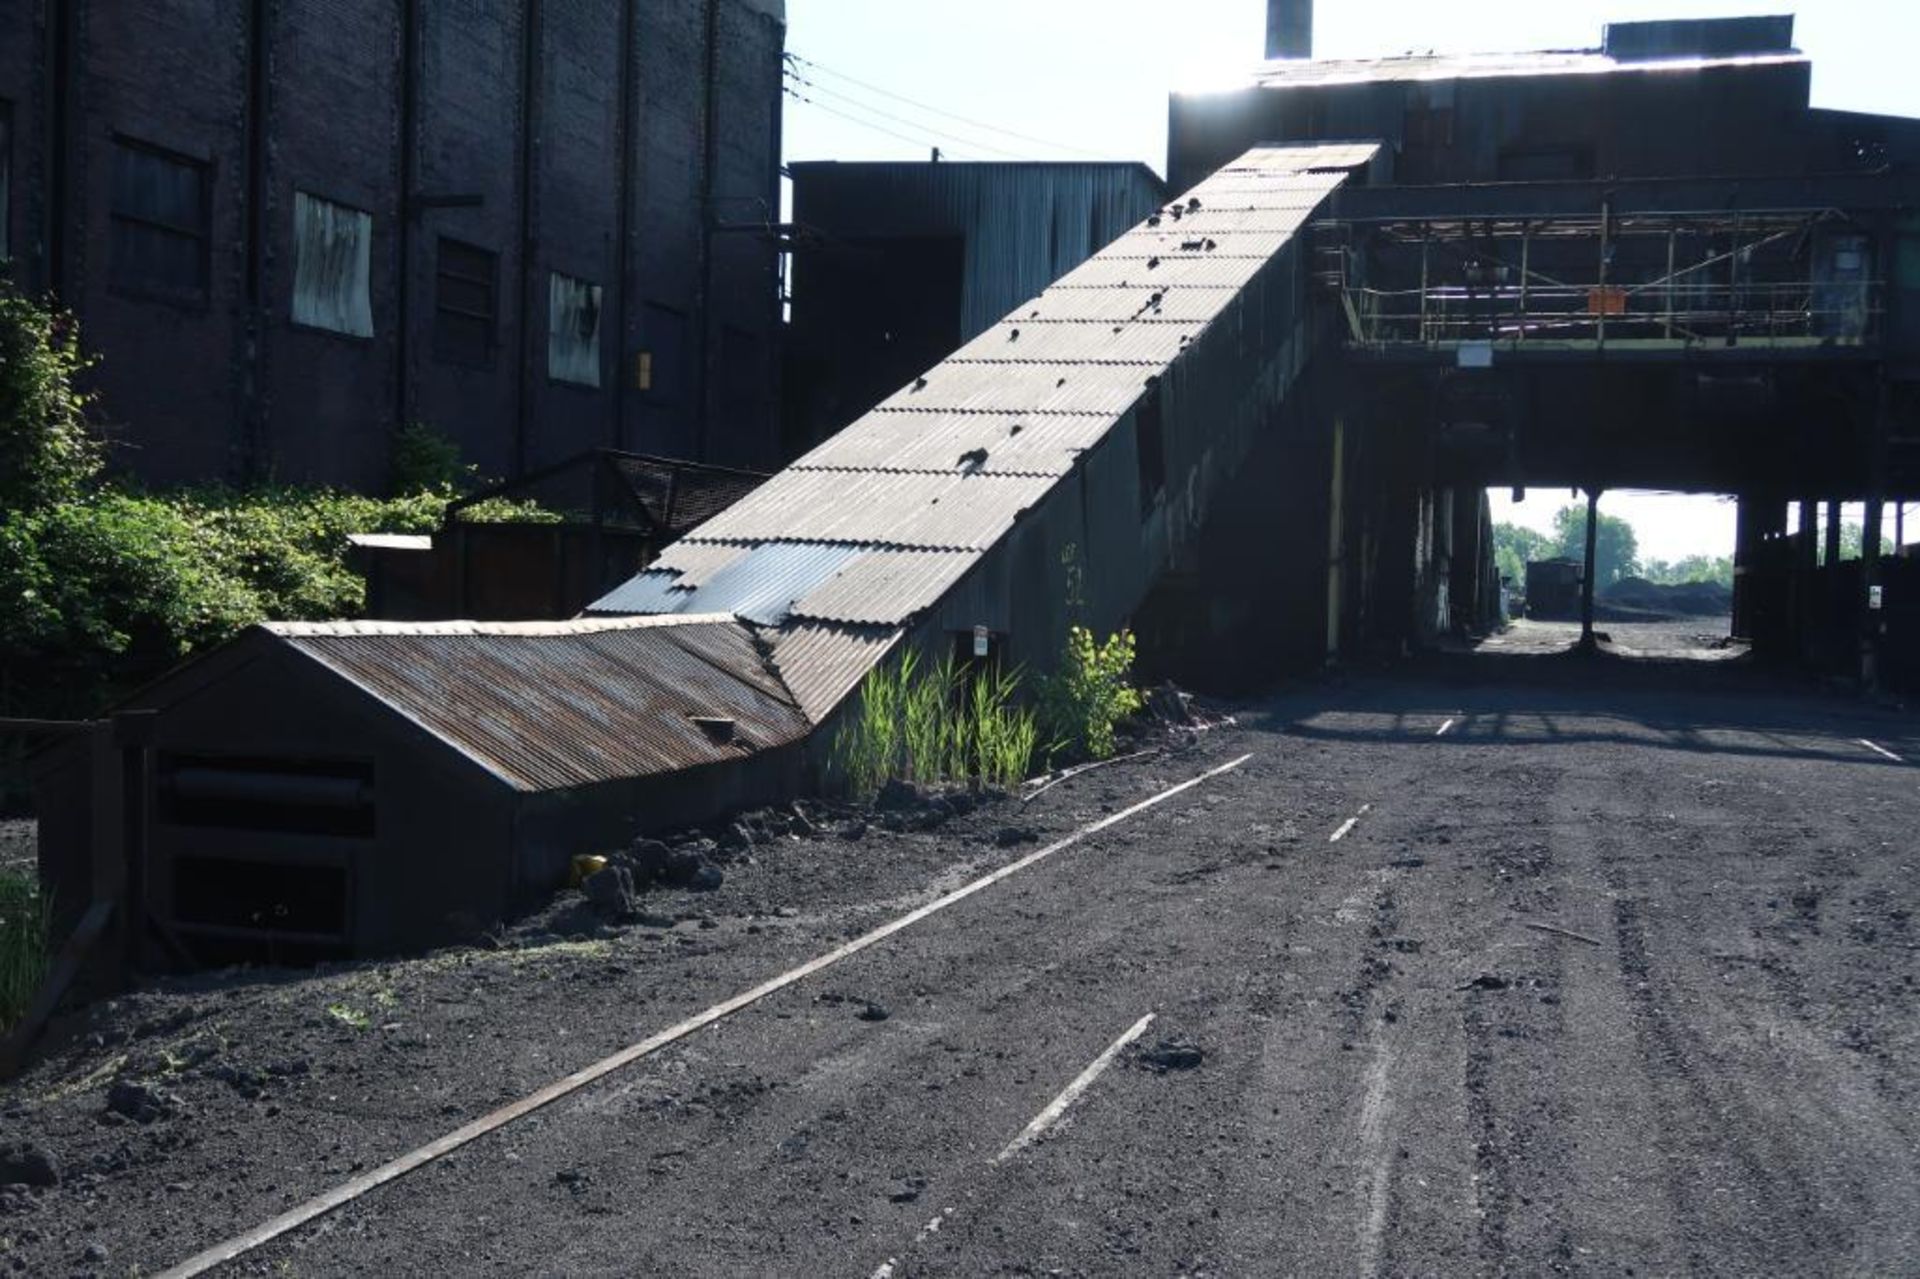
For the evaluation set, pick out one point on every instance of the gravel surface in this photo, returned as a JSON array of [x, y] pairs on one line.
[[1616, 976]]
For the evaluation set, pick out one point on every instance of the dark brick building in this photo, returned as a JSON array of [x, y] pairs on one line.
[[288, 225]]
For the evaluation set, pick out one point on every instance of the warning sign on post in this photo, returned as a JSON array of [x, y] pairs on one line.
[[981, 636]]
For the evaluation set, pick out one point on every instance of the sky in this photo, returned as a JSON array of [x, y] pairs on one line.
[[1090, 79]]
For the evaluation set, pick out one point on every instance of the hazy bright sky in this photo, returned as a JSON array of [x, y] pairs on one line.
[[1089, 79]]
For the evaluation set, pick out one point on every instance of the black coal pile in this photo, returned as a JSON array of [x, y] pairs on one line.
[[1686, 599]]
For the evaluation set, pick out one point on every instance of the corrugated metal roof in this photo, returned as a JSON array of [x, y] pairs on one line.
[[1170, 245], [565, 708], [953, 442], [695, 562], [545, 630], [1121, 306], [1019, 388], [1298, 159], [762, 585], [913, 494], [821, 663], [886, 586], [1148, 344], [890, 508], [1180, 270], [654, 591]]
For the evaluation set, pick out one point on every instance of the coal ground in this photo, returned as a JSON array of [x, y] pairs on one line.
[[1616, 975]]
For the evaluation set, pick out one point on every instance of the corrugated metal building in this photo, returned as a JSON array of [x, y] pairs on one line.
[[1049, 471], [289, 227], [414, 782], [900, 263]]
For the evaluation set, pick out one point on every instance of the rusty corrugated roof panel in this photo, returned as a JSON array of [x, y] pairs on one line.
[[822, 662], [885, 586], [953, 443], [891, 508], [573, 704]]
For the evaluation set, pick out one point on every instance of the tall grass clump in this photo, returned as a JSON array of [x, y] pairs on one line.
[[935, 722], [23, 945]]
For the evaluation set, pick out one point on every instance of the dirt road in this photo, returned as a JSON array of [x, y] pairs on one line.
[[1611, 970]]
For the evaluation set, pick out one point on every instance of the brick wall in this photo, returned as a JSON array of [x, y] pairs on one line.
[[227, 386]]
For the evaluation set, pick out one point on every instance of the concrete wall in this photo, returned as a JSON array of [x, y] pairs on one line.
[[540, 132]]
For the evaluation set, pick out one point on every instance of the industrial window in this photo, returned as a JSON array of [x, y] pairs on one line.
[[332, 250], [160, 231], [573, 330], [1429, 115], [464, 303]]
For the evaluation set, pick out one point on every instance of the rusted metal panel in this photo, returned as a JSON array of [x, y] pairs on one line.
[[570, 705], [821, 663], [1019, 388], [989, 443], [953, 512], [885, 586]]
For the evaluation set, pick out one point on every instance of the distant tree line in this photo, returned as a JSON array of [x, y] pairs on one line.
[[1617, 552]]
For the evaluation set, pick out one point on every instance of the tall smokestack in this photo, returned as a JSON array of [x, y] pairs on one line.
[[1289, 28]]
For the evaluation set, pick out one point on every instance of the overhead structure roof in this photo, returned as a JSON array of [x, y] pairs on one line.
[[849, 545]]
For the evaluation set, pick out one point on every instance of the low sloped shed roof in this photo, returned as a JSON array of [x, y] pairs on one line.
[[553, 705]]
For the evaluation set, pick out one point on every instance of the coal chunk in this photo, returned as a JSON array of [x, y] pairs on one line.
[[1171, 1054], [25, 1164], [611, 891], [141, 1103]]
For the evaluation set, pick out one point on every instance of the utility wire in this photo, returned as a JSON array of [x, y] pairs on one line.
[[951, 115], [922, 143], [891, 117]]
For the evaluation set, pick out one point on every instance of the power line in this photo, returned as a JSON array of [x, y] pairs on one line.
[[891, 117], [923, 143], [951, 115]]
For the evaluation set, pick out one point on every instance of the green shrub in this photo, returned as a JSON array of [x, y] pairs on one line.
[[1082, 705], [425, 460], [47, 454], [943, 722], [23, 944]]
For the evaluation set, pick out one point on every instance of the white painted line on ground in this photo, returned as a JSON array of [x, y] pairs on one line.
[[322, 1204], [1872, 746], [1442, 730], [1071, 1093], [1348, 825], [1376, 1164], [886, 1268]]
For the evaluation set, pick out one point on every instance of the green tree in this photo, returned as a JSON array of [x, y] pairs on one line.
[[47, 454], [1690, 568], [1514, 545], [1616, 552]]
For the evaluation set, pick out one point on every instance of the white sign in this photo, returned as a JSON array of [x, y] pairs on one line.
[[981, 636], [1875, 598]]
